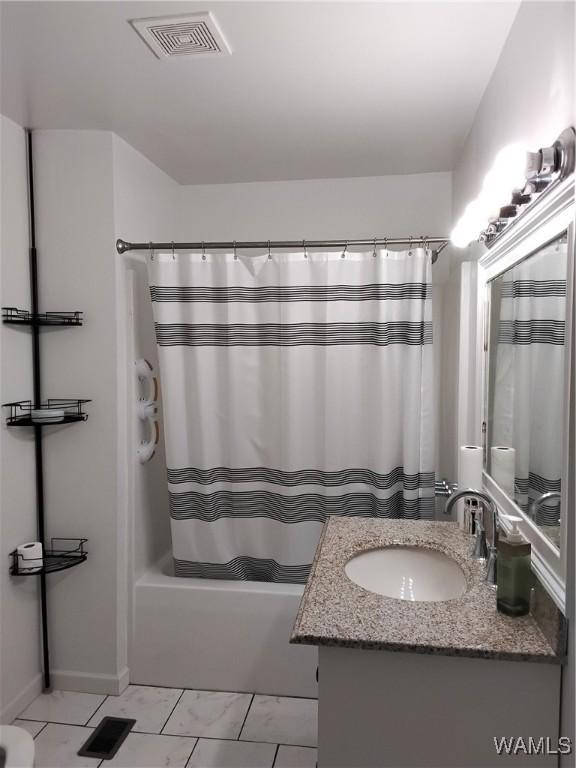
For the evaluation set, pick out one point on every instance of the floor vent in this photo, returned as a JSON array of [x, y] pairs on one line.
[[107, 739], [175, 36]]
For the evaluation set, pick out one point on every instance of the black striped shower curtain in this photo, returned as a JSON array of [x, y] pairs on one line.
[[295, 386], [529, 381]]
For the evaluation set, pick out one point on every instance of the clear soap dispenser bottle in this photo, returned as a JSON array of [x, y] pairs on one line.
[[514, 573]]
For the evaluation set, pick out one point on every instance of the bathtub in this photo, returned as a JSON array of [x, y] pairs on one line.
[[218, 635]]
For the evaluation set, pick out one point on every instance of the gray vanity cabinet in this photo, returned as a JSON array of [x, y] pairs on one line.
[[388, 709]]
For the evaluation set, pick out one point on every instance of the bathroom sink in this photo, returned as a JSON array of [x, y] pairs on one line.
[[407, 573]]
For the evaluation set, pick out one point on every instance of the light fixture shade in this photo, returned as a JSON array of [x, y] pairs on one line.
[[510, 166], [515, 176], [507, 174]]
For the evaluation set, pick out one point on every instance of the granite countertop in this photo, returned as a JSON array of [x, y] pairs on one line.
[[335, 611]]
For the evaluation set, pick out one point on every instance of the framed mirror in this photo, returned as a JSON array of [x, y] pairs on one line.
[[527, 407], [526, 298]]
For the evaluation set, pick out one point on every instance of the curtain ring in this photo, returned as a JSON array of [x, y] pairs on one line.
[[203, 252], [151, 251], [374, 249], [343, 256], [269, 254], [304, 249], [235, 254]]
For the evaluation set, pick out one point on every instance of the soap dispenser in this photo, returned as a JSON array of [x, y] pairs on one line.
[[514, 573]]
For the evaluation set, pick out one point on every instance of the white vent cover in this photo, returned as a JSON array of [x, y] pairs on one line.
[[175, 36]]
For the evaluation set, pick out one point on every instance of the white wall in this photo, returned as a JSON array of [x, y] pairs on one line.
[[146, 208], [91, 188], [19, 627], [530, 97], [325, 208], [75, 226]]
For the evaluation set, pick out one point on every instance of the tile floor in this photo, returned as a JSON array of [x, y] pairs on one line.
[[177, 728]]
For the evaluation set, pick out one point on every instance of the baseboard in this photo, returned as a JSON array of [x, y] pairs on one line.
[[89, 682], [21, 701]]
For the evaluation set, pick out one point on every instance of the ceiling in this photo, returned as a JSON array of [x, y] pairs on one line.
[[311, 90]]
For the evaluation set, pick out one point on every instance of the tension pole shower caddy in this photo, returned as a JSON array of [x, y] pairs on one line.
[[62, 553]]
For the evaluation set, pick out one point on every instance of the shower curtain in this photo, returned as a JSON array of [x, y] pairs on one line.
[[529, 386], [295, 386]]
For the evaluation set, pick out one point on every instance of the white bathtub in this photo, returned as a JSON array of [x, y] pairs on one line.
[[218, 635]]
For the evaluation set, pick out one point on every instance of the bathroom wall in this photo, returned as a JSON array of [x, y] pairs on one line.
[[324, 208], [19, 628], [146, 208], [75, 226], [92, 187], [530, 98]]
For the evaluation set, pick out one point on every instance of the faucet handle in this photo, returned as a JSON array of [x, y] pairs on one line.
[[492, 566], [479, 547]]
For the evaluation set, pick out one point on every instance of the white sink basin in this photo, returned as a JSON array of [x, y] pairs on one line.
[[407, 573]]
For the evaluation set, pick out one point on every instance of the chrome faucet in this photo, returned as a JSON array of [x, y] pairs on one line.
[[541, 500], [480, 543]]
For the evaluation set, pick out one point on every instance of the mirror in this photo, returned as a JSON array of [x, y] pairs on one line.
[[526, 404]]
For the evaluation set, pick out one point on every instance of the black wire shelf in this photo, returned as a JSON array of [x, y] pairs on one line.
[[58, 557], [14, 316], [20, 414]]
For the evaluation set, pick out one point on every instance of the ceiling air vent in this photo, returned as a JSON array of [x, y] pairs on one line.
[[175, 36]]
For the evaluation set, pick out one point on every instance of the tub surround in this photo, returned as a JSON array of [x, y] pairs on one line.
[[334, 611]]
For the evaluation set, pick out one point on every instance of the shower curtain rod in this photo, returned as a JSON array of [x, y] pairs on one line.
[[122, 246]]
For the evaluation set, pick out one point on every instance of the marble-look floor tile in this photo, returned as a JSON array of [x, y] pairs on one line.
[[213, 753], [209, 713], [149, 706], [282, 720], [32, 726], [57, 745], [296, 757], [143, 750], [66, 707]]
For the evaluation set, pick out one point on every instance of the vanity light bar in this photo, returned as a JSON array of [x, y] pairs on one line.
[[524, 175]]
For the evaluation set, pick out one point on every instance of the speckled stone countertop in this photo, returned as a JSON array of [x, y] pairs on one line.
[[335, 611]]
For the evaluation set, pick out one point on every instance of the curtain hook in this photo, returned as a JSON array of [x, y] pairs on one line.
[[203, 251], [343, 256], [151, 251], [386, 244], [269, 254], [304, 249], [173, 254], [235, 254], [410, 246], [374, 249]]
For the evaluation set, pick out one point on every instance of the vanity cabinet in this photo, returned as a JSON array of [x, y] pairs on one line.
[[427, 683], [388, 709]]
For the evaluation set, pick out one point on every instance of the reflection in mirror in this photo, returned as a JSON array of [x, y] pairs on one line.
[[526, 397]]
